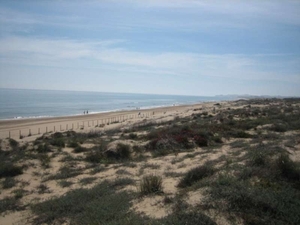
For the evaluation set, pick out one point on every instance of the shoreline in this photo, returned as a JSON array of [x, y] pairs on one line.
[[19, 118], [15, 128]]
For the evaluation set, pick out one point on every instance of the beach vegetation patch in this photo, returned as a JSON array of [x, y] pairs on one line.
[[196, 174], [42, 188], [64, 173], [98, 205], [64, 183], [80, 149], [87, 180], [13, 143], [57, 135], [254, 204], [9, 182], [9, 204], [44, 159], [132, 136], [288, 168], [8, 169], [73, 144], [43, 148], [151, 184], [59, 142]]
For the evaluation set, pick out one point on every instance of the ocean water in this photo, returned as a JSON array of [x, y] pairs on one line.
[[21, 103]]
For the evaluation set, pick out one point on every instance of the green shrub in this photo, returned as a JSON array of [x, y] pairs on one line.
[[288, 169], [44, 159], [94, 156], [239, 134], [187, 217], [255, 204], [13, 143], [278, 128], [42, 188], [201, 141], [98, 205], [8, 182], [87, 180], [151, 184], [57, 135], [123, 151], [6, 204], [59, 142], [7, 169], [195, 175], [64, 183], [43, 148], [132, 136], [80, 149], [73, 144], [64, 173], [258, 157]]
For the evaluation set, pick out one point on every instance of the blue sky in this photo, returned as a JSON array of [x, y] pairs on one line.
[[185, 47]]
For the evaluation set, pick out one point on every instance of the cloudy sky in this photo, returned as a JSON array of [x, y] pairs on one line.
[[185, 47]]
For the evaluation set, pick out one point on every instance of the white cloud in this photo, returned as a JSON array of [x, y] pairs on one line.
[[105, 54]]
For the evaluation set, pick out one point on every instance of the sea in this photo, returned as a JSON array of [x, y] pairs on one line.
[[25, 103]]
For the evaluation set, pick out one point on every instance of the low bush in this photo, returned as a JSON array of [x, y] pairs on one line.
[[201, 141], [98, 205], [73, 144], [64, 183], [258, 157], [79, 149], [43, 148], [13, 143], [6, 204], [256, 204], [8, 169], [8, 182], [64, 173], [195, 174], [59, 142], [44, 159], [187, 217], [151, 184], [57, 135], [288, 169], [278, 128], [123, 151], [132, 136], [87, 180]]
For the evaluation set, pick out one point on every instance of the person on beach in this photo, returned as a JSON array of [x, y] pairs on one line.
[[139, 114], [84, 112], [87, 112]]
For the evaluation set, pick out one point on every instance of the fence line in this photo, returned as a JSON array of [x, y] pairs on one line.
[[78, 125]]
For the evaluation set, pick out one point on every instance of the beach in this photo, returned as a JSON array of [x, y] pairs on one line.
[[29, 128]]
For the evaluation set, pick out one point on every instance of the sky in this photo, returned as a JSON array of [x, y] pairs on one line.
[[183, 47]]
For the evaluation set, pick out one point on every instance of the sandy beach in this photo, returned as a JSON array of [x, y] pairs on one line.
[[28, 128]]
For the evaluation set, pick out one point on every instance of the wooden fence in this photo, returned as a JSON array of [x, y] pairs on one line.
[[72, 126]]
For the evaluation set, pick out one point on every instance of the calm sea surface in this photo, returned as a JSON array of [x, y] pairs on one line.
[[19, 103]]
